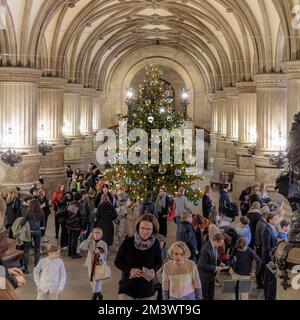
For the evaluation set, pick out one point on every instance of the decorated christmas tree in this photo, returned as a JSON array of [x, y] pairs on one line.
[[152, 109]]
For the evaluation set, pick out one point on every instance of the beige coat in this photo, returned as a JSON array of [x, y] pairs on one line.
[[130, 220], [90, 246]]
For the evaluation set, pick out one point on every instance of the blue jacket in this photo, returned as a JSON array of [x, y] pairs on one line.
[[246, 233], [187, 235]]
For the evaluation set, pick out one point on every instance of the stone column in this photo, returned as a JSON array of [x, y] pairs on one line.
[[71, 122], [18, 107], [50, 118], [232, 106], [271, 124], [221, 134], [212, 100], [96, 117], [291, 70], [86, 125], [245, 174]]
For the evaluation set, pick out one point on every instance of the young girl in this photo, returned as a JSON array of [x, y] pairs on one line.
[[50, 275], [97, 255], [180, 278]]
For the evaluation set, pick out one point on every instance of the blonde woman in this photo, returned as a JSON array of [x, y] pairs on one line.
[[13, 210], [180, 278], [97, 255]]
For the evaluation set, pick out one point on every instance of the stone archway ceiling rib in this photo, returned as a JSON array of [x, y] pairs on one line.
[[228, 40]]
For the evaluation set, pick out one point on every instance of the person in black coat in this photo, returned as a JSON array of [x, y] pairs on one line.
[[75, 218], [162, 207], [139, 258], [208, 265], [36, 220], [207, 203], [187, 234], [148, 206], [244, 201], [45, 205], [105, 190], [269, 242], [254, 197], [254, 215], [197, 225], [105, 215], [261, 225], [226, 207], [13, 210]]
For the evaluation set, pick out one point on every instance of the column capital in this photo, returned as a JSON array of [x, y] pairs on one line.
[[88, 92], [20, 75], [246, 87], [52, 83], [231, 92], [291, 67], [220, 95], [211, 97], [73, 88], [269, 81]]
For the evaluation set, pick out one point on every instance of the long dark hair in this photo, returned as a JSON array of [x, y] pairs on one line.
[[34, 208]]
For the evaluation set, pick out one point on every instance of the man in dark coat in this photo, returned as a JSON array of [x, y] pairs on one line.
[[269, 242], [148, 206], [187, 234], [75, 220], [226, 207], [208, 265]]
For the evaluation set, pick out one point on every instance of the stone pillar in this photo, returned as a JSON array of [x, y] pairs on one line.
[[18, 107], [245, 174], [221, 134], [291, 70], [271, 124], [71, 122], [86, 126], [213, 131], [96, 117], [232, 106], [50, 117]]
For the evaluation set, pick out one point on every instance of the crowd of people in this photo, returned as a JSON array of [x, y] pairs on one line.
[[92, 215]]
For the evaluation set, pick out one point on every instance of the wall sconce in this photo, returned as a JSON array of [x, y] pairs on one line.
[[277, 159], [44, 147], [251, 149], [11, 156], [65, 131]]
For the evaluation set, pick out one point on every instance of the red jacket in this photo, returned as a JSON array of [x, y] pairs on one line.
[[57, 195]]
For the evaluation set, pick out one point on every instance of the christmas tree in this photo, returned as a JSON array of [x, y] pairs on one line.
[[153, 108]]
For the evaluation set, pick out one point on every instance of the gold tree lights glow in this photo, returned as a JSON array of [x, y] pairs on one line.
[[153, 108]]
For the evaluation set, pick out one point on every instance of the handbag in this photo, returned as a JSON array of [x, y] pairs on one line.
[[102, 272]]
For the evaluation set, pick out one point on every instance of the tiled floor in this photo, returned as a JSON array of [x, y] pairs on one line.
[[77, 286]]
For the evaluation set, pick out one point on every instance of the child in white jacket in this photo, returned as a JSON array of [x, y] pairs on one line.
[[50, 275]]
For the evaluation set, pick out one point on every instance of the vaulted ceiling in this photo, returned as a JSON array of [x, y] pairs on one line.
[[83, 40]]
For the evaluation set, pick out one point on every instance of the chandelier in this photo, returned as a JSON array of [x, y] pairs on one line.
[[10, 156], [44, 147], [277, 159], [251, 149]]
